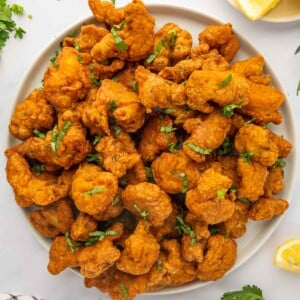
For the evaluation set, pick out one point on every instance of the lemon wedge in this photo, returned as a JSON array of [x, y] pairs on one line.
[[255, 9], [287, 255]]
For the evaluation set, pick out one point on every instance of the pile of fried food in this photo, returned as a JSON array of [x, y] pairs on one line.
[[143, 157]]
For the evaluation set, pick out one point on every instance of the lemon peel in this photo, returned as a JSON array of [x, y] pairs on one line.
[[287, 255], [255, 9]]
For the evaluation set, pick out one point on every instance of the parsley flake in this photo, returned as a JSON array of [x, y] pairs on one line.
[[246, 156], [279, 163], [118, 40], [198, 149]]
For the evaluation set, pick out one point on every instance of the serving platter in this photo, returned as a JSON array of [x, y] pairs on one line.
[[285, 11], [257, 233]]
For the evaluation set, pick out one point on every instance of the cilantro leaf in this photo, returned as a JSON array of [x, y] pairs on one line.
[[248, 292]]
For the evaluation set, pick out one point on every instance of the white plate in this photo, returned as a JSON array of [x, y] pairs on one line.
[[284, 11], [194, 22]]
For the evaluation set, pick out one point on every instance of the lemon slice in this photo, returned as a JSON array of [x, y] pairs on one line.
[[287, 255], [255, 9]]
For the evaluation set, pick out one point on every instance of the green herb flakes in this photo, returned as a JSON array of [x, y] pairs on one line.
[[95, 190]]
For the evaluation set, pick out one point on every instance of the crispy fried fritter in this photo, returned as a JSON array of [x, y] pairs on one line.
[[118, 154], [82, 226], [253, 176], [97, 258], [64, 146], [30, 189], [157, 135], [174, 43], [218, 259], [204, 86], [67, 80], [148, 201], [137, 32], [93, 189], [205, 135], [54, 219], [274, 182], [175, 173], [257, 142], [267, 208], [208, 201], [61, 256], [33, 113], [141, 251], [154, 91]]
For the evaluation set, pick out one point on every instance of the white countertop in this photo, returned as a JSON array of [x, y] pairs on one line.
[[23, 260]]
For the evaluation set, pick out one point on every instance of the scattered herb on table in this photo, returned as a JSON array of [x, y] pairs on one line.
[[248, 292]]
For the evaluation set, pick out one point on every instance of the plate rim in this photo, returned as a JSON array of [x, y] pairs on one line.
[[45, 50]]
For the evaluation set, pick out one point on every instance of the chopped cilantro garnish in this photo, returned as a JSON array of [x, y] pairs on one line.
[[112, 105], [225, 81], [182, 227], [167, 130], [298, 87], [248, 292], [37, 169], [56, 138], [185, 182], [96, 139], [279, 163], [246, 156], [226, 148], [124, 291], [118, 40], [172, 148], [39, 134], [173, 35], [228, 110], [143, 214], [244, 200], [221, 193], [115, 201], [117, 130], [153, 55], [95, 82], [73, 245], [96, 190], [134, 86], [149, 174], [198, 149], [93, 158], [159, 265]]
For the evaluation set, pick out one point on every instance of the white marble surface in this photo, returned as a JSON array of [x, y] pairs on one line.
[[23, 260]]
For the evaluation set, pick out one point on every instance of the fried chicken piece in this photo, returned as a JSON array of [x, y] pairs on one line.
[[274, 182], [257, 141], [205, 201], [284, 146], [229, 168], [168, 228], [182, 70], [118, 154], [267, 208], [53, 219], [172, 269], [105, 70], [106, 12], [154, 91], [214, 61], [148, 201], [263, 105], [113, 210], [137, 174], [204, 86], [30, 189], [126, 76], [137, 32], [199, 227], [83, 225], [192, 251], [253, 176], [218, 259], [174, 43], [67, 80], [93, 190], [141, 251], [215, 35], [97, 258], [157, 135], [89, 36], [64, 146], [33, 113], [61, 256], [236, 225], [230, 48], [206, 135], [118, 283], [175, 173], [114, 100]]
